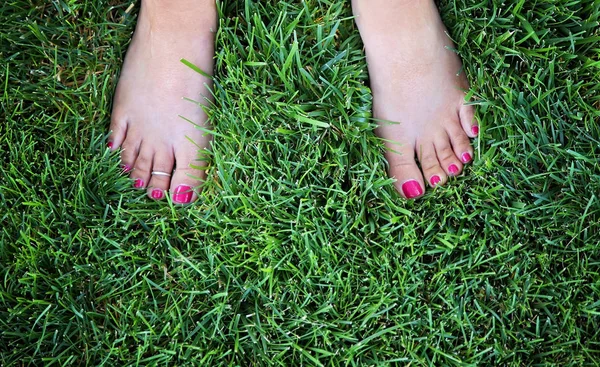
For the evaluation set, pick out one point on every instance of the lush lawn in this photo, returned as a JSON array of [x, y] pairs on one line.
[[300, 252]]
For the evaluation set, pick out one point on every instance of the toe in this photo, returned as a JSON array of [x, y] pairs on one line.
[[468, 121], [159, 184], [446, 157], [118, 130], [402, 167], [188, 175], [460, 143], [129, 153], [432, 171], [141, 168]]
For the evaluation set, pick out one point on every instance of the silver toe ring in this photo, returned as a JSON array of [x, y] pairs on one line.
[[159, 173]]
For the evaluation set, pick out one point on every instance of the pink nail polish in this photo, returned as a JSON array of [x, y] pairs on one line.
[[434, 180], [466, 158], [475, 130], [157, 194], [126, 168], [183, 194], [412, 189], [453, 169], [138, 183], [110, 145]]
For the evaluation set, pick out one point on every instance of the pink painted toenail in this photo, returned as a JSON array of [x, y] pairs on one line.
[[434, 180], [126, 168], [138, 183], [475, 130], [453, 169], [466, 158], [110, 145], [157, 194], [412, 189], [183, 194]]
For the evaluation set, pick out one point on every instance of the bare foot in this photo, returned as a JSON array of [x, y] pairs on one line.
[[150, 97], [417, 84]]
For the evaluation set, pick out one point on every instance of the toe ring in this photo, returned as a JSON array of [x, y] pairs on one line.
[[159, 173]]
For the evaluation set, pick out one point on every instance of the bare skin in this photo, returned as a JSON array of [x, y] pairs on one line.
[[149, 100], [416, 83], [415, 79]]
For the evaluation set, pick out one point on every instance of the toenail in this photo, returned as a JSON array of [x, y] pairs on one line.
[[157, 194], [434, 180], [110, 145], [475, 130], [183, 194], [412, 189], [126, 168], [138, 183], [453, 169], [466, 158]]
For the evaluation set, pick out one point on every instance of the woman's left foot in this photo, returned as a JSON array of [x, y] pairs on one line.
[[418, 92]]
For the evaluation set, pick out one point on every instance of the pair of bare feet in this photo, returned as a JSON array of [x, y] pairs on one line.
[[415, 78]]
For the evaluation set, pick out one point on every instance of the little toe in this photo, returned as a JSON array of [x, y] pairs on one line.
[[188, 176], [118, 130], [161, 170], [446, 156], [468, 121], [403, 167], [432, 171], [141, 168]]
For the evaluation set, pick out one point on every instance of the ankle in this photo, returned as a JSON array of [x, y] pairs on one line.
[[398, 13], [182, 13], [178, 6]]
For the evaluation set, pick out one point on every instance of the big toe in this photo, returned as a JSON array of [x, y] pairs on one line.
[[188, 176], [403, 167]]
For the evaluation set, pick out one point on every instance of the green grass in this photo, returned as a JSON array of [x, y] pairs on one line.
[[299, 252]]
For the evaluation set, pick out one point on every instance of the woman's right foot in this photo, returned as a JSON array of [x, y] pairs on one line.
[[149, 100]]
